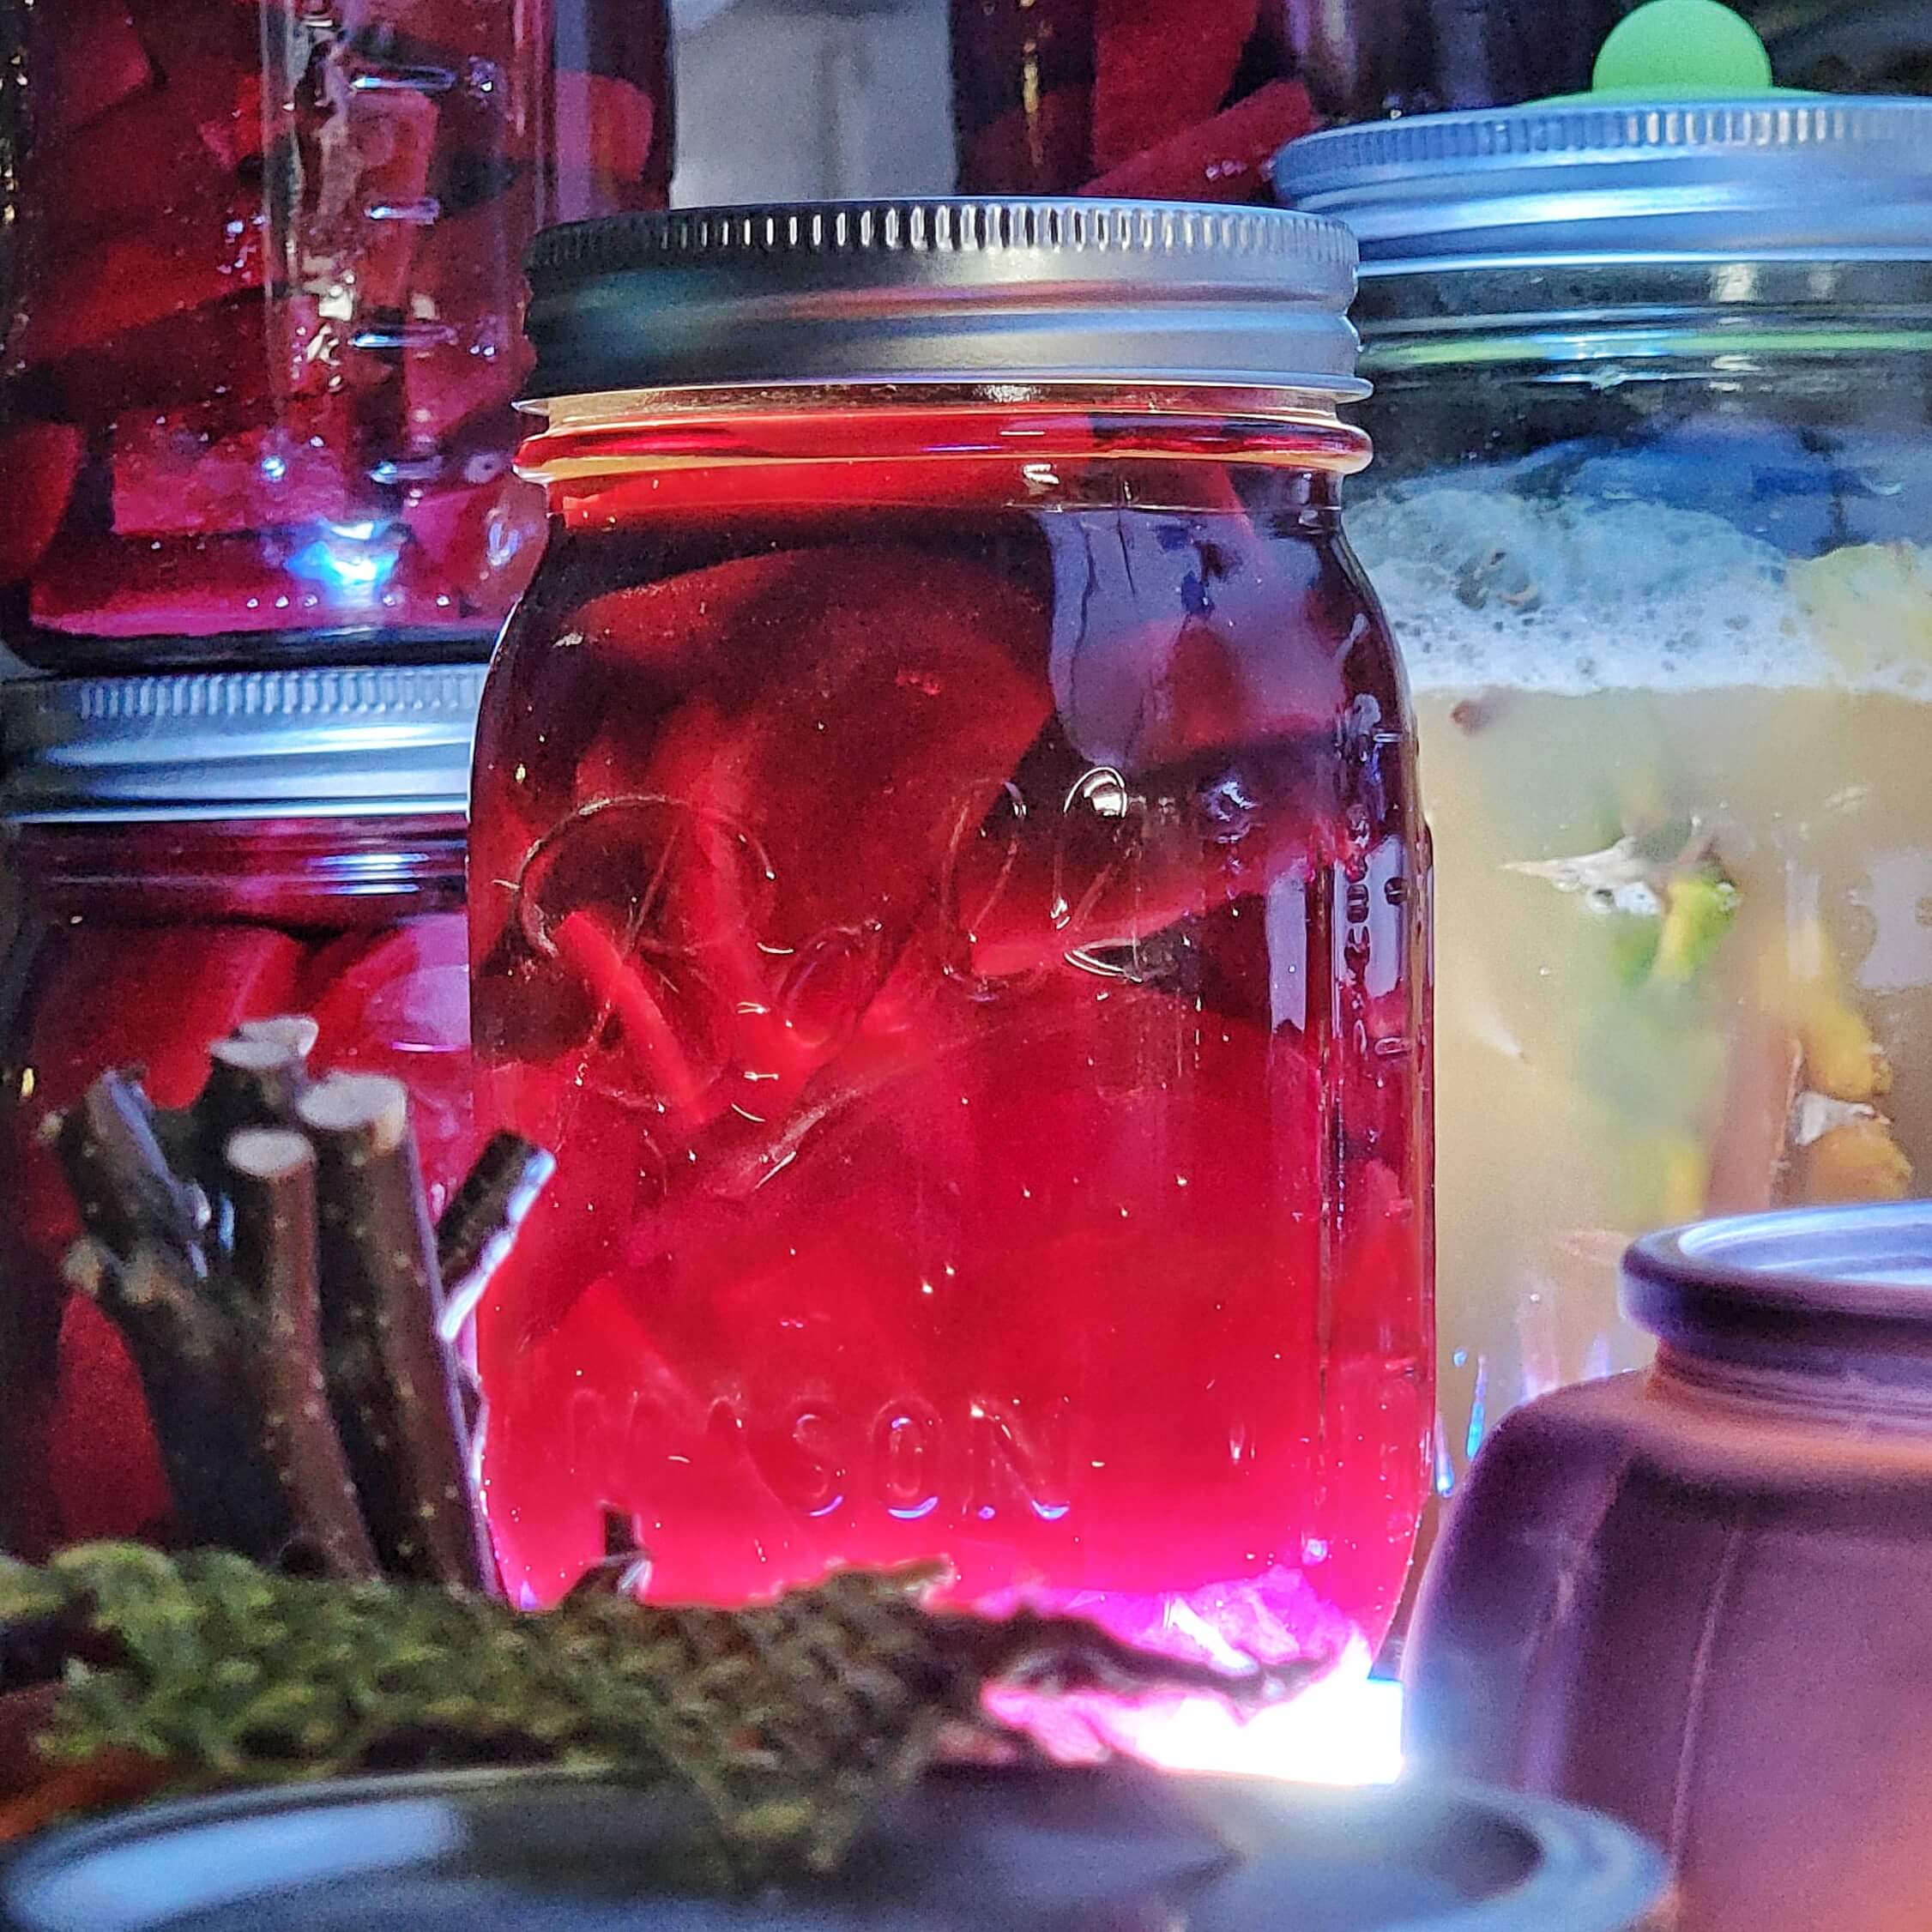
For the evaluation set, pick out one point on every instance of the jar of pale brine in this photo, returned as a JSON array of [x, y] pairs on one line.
[[1653, 519], [947, 885]]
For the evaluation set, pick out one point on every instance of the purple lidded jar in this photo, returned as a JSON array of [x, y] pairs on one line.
[[1697, 1595]]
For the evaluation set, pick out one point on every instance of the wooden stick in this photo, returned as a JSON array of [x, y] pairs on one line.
[[192, 1360], [392, 1381], [271, 1180], [128, 1195], [481, 1223], [295, 1031]]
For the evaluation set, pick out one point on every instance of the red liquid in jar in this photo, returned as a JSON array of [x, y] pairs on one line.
[[956, 918], [204, 927], [267, 295]]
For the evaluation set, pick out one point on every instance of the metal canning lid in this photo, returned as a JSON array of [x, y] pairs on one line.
[[331, 743], [1796, 177], [964, 1850], [943, 291]]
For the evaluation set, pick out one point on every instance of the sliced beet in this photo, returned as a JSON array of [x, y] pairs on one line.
[[890, 707], [1179, 633], [482, 541], [181, 264], [144, 161], [1160, 66], [174, 475], [604, 132], [190, 587], [1224, 158], [235, 357], [104, 1466], [39, 464], [396, 1001], [85, 58], [375, 183]]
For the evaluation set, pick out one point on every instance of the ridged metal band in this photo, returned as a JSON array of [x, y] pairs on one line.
[[1818, 179], [328, 743], [942, 290]]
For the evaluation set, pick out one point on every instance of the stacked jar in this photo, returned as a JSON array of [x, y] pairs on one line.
[[265, 340], [194, 853], [264, 304]]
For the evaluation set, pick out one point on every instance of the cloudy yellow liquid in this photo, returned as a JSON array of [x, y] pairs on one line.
[[1594, 1077]]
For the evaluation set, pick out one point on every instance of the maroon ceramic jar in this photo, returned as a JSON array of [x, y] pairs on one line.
[[1696, 1596]]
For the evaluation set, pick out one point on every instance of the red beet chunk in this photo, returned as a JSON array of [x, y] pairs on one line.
[[604, 130], [1223, 159], [187, 586], [396, 1001], [39, 463], [175, 476], [481, 542], [234, 357], [376, 177], [175, 266], [1178, 634], [891, 674], [470, 357], [144, 161], [85, 58], [1160, 66], [104, 1467]]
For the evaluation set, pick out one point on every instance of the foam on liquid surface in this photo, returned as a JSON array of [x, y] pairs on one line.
[[1573, 596]]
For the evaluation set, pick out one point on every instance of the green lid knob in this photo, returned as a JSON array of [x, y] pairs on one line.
[[1682, 49]]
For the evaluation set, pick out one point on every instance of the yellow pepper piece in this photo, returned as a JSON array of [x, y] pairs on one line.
[[1841, 1057], [1871, 603], [1696, 911], [1859, 1162]]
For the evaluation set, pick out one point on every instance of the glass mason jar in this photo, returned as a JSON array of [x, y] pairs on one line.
[[1653, 519], [1190, 99], [193, 853], [947, 886], [266, 309]]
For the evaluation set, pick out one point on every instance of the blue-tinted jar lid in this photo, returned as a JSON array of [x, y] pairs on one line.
[[1681, 151], [325, 743]]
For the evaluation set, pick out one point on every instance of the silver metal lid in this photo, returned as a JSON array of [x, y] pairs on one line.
[[1810, 177], [341, 743], [943, 291]]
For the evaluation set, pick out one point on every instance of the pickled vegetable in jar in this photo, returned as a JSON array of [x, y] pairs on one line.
[[1191, 99], [947, 885], [265, 336], [195, 853], [1653, 517]]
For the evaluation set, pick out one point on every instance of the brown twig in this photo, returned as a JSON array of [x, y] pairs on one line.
[[389, 1377], [191, 1358], [481, 1221], [271, 1180]]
